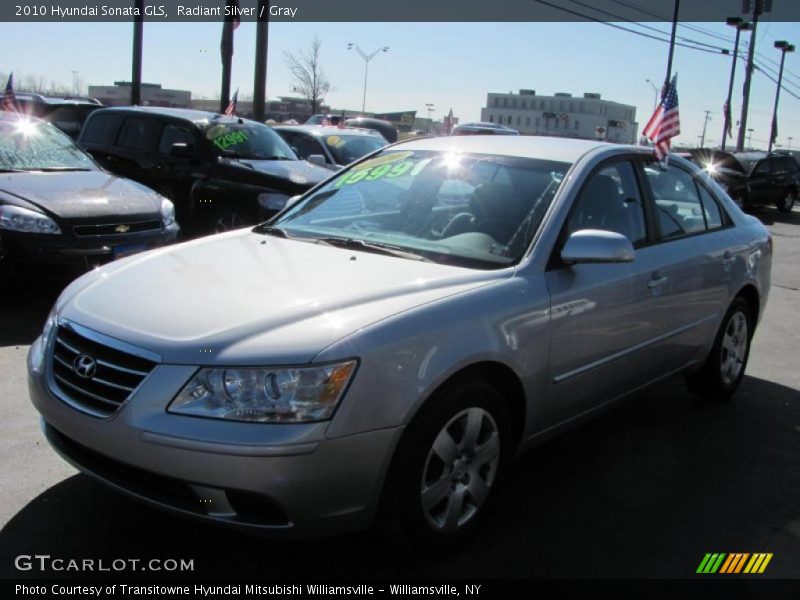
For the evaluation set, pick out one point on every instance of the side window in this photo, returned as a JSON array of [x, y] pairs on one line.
[[306, 146], [101, 129], [174, 134], [711, 210], [762, 168], [611, 200], [677, 203], [139, 134]]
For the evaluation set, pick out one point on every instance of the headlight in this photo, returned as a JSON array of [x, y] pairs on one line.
[[272, 201], [49, 326], [15, 218], [167, 212], [282, 395]]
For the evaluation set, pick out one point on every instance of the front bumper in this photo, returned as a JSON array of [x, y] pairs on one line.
[[283, 480], [60, 255]]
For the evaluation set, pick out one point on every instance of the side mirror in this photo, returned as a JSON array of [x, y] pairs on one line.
[[317, 159], [182, 150], [597, 246]]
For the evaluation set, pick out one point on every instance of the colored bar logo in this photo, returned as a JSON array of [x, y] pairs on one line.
[[734, 563]]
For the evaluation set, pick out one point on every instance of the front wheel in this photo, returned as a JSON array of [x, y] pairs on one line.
[[724, 368], [786, 204], [446, 467]]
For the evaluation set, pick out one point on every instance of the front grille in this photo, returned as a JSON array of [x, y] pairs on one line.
[[109, 375], [116, 228]]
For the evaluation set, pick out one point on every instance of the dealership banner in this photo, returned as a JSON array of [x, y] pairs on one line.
[[381, 10]]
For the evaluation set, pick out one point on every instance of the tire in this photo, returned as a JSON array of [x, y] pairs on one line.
[[724, 368], [445, 468], [786, 204]]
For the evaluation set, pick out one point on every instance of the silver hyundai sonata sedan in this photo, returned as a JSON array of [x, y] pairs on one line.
[[383, 347]]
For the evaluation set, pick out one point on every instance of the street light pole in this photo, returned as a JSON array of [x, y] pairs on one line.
[[429, 106], [655, 93], [759, 6], [367, 58], [740, 26], [750, 131], [790, 138], [784, 47]]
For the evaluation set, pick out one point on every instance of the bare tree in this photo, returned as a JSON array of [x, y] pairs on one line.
[[309, 78]]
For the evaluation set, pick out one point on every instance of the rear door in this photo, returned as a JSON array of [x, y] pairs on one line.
[[136, 149], [762, 186], [696, 234]]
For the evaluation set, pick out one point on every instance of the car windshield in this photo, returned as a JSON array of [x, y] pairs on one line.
[[27, 145], [348, 148], [248, 140], [471, 210]]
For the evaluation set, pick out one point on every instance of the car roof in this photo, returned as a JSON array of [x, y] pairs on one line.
[[8, 115], [541, 147], [30, 97], [322, 130], [197, 117]]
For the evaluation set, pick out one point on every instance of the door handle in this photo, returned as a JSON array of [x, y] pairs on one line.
[[657, 281]]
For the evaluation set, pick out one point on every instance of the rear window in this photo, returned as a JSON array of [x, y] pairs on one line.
[[101, 129]]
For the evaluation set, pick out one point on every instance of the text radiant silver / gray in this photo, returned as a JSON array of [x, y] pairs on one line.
[[385, 345]]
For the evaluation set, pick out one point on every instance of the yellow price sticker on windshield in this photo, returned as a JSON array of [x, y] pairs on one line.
[[334, 140], [382, 160]]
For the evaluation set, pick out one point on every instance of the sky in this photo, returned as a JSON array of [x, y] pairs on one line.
[[451, 65]]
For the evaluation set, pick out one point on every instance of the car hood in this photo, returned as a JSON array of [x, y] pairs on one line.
[[80, 194], [245, 298], [300, 172]]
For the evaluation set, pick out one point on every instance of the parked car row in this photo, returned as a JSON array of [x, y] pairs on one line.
[[753, 178]]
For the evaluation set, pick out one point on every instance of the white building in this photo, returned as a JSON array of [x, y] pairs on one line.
[[562, 115]]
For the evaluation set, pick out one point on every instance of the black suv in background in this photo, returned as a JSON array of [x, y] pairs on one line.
[[68, 113], [752, 178], [222, 172]]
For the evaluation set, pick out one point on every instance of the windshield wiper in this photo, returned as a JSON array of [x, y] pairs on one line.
[[58, 169], [12, 170], [272, 230], [374, 247]]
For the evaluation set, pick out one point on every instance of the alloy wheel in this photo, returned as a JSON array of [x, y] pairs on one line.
[[460, 469], [734, 348]]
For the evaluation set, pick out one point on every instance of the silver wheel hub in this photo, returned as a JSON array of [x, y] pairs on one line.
[[460, 469], [734, 348]]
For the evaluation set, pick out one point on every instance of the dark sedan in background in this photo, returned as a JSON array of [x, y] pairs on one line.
[[222, 172], [330, 147], [61, 214]]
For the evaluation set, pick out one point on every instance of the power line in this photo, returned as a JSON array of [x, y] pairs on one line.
[[620, 27]]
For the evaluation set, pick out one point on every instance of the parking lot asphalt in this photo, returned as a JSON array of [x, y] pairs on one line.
[[645, 490]]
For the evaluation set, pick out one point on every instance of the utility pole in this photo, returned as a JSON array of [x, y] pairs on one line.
[[705, 124], [136, 63], [260, 78], [757, 6], [750, 131]]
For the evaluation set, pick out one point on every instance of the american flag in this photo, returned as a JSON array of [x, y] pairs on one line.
[[665, 123], [230, 110], [448, 123], [8, 96]]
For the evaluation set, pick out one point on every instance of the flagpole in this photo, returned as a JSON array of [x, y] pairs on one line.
[[748, 76], [226, 51], [136, 59], [727, 118], [671, 45], [260, 78]]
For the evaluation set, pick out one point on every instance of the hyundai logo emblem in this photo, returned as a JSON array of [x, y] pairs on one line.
[[85, 366]]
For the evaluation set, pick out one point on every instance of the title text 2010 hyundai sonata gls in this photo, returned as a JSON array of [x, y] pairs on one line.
[[385, 345]]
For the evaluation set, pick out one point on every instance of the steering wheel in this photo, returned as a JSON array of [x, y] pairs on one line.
[[460, 223]]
